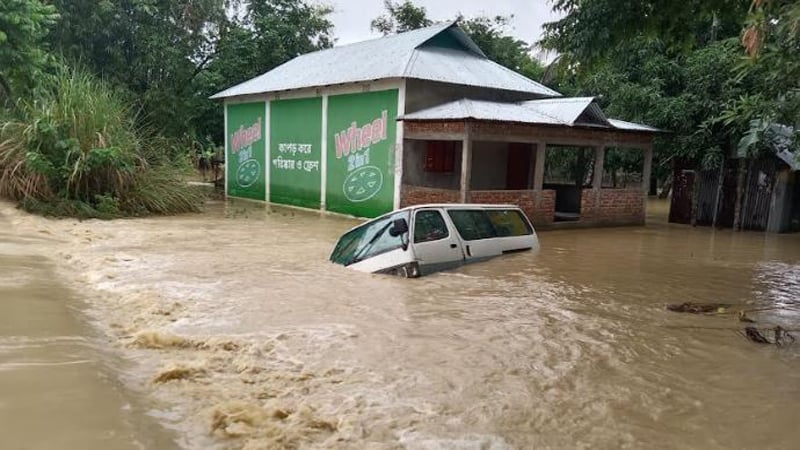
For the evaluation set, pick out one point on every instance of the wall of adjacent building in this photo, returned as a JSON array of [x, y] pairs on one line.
[[489, 165]]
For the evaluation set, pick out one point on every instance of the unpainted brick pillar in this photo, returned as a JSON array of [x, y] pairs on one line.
[[466, 164], [597, 173], [538, 171], [647, 167], [597, 183], [538, 176]]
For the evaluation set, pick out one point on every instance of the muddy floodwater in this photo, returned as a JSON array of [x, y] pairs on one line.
[[231, 330], [59, 387]]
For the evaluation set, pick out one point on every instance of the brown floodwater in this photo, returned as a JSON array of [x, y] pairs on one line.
[[58, 387], [232, 330]]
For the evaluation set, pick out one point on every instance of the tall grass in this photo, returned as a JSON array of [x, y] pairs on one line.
[[76, 151]]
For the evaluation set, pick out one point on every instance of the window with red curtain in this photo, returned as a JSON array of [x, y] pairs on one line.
[[440, 156]]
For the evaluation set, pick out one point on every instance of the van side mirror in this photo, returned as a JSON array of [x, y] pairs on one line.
[[399, 227]]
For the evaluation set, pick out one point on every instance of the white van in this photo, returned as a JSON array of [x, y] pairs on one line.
[[439, 237]]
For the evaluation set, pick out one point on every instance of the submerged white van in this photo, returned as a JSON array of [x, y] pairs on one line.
[[422, 239]]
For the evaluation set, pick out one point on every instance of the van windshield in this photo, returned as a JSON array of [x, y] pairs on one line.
[[368, 240], [475, 224]]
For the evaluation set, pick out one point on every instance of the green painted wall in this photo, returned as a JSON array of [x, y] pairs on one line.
[[295, 152], [361, 151], [245, 151]]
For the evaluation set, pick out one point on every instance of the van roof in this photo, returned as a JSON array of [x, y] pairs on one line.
[[458, 205], [449, 206], [438, 205]]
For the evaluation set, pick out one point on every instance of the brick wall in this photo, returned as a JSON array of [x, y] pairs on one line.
[[487, 130], [549, 133], [418, 195], [434, 127], [539, 206], [613, 206], [545, 211]]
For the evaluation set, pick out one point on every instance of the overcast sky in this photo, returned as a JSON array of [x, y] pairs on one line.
[[352, 17]]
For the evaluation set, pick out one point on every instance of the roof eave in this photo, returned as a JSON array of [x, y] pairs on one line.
[[221, 95], [540, 124]]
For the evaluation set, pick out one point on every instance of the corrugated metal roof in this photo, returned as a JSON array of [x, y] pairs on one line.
[[780, 138], [571, 111], [459, 67], [630, 126], [481, 110], [405, 55]]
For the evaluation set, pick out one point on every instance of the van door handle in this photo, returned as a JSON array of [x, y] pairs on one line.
[[469, 253], [453, 245]]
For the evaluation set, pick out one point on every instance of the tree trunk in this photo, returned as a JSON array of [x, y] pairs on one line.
[[720, 180], [740, 178], [746, 201], [695, 196], [666, 188], [5, 88], [580, 168]]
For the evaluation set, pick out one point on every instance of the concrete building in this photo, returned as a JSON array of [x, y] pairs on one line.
[[419, 117]]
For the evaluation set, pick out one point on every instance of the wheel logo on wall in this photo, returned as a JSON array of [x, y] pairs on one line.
[[246, 147], [361, 139], [363, 184], [248, 173]]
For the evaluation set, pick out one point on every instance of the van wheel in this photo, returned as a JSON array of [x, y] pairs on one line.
[[400, 272], [407, 271]]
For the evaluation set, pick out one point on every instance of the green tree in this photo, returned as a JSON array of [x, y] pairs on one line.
[[267, 34], [590, 29], [401, 17], [171, 55], [76, 151], [683, 93], [490, 34], [674, 66], [152, 48], [23, 26], [772, 42]]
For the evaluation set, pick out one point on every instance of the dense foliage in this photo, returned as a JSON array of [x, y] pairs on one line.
[[683, 68], [401, 17], [172, 55], [23, 27], [77, 151], [772, 41], [590, 29], [490, 34], [74, 145]]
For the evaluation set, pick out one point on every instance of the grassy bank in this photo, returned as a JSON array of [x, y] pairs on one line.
[[75, 150]]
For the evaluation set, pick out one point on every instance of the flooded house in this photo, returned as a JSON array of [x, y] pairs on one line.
[[760, 193], [421, 117]]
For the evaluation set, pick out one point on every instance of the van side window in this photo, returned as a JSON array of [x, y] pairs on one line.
[[472, 224], [429, 226], [509, 222]]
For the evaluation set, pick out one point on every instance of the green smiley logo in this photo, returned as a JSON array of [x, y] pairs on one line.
[[248, 173], [363, 184]]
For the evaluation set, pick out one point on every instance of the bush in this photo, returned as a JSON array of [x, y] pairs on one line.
[[76, 151]]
